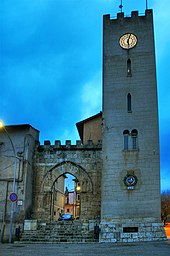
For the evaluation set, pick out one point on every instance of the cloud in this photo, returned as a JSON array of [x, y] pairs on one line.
[[20, 19], [165, 179], [44, 67], [70, 134], [50, 63], [162, 41], [91, 97]]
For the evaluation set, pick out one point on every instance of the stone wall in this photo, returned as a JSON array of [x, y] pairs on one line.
[[16, 159], [121, 203], [132, 230], [82, 161]]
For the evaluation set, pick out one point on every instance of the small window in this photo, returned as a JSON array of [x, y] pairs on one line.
[[126, 139], [66, 200], [129, 102], [129, 73], [134, 135]]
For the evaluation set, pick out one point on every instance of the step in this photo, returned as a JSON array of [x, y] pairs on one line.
[[58, 232]]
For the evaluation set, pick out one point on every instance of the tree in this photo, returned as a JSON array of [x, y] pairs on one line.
[[165, 205]]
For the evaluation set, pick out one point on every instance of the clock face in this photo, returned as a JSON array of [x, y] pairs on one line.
[[128, 41], [130, 180]]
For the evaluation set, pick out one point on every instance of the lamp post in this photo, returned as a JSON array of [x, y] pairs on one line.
[[14, 179]]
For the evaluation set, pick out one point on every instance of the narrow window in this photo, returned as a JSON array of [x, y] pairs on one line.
[[129, 73], [129, 103], [134, 135], [126, 139]]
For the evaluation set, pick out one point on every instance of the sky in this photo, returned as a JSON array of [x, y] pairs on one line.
[[51, 65]]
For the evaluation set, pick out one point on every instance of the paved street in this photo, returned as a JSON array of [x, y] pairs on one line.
[[135, 249]]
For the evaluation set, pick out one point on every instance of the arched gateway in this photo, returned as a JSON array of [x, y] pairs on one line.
[[53, 187], [51, 166], [67, 167]]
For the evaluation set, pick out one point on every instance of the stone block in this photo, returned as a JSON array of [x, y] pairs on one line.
[[30, 225], [130, 240], [113, 240], [110, 235]]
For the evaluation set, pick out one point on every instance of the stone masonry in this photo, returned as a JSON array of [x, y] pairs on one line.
[[82, 161], [130, 213]]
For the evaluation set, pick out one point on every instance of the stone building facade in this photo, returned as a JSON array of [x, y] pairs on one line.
[[117, 160], [51, 162], [130, 200], [17, 146]]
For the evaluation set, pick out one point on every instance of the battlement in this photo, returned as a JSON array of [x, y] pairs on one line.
[[68, 146], [122, 17]]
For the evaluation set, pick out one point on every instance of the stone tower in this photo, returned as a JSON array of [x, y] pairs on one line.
[[131, 173]]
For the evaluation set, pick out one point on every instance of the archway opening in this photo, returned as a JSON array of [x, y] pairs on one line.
[[65, 197]]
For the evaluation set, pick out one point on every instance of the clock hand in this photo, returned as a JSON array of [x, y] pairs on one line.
[[128, 39]]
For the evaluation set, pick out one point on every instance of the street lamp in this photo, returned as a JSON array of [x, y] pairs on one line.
[[78, 188], [14, 179]]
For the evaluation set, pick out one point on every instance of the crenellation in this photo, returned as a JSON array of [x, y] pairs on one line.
[[134, 14], [68, 146], [149, 12], [68, 143], [78, 143], [99, 143], [90, 143], [57, 143], [120, 15], [47, 142], [106, 18]]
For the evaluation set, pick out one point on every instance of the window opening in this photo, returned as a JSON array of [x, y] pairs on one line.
[[126, 139], [129, 102], [129, 73], [134, 134]]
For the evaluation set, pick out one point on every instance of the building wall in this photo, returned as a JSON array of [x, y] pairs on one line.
[[23, 138], [57, 198], [92, 130], [53, 161], [119, 204], [69, 205]]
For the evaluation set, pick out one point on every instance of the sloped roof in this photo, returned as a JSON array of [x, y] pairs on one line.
[[20, 126], [80, 124]]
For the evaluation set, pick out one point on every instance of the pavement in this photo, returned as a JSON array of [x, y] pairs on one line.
[[104, 249]]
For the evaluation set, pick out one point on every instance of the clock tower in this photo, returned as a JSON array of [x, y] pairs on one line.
[[130, 205]]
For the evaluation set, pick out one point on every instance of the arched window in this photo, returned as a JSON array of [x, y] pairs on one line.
[[126, 139], [134, 136], [129, 102], [129, 72]]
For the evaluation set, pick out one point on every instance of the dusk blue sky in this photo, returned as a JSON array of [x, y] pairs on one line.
[[51, 65]]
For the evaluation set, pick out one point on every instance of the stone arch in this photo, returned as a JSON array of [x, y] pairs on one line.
[[67, 167]]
